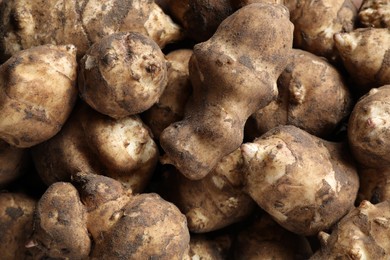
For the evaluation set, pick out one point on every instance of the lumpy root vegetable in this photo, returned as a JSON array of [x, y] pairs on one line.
[[305, 183], [230, 82], [37, 93], [91, 142]]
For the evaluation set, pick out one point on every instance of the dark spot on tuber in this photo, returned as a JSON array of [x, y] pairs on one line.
[[14, 213]]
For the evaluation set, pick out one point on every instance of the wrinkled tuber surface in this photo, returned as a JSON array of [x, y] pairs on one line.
[[233, 74], [362, 234], [375, 13], [305, 183]]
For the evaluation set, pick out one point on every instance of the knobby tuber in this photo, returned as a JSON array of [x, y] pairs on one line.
[[122, 149], [305, 183], [233, 74]]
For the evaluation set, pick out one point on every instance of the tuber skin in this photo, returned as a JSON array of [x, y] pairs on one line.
[[60, 225], [305, 183], [119, 225], [230, 82], [37, 94], [80, 23], [237, 4], [369, 129], [171, 105], [265, 239], [16, 225], [362, 234], [210, 246], [365, 53], [122, 74], [214, 202], [12, 163], [200, 18], [312, 95], [315, 23], [122, 149], [375, 13], [374, 184]]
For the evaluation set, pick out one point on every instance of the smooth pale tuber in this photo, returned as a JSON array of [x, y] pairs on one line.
[[362, 234], [315, 23], [375, 13], [365, 54], [369, 129], [170, 107], [16, 225], [233, 75], [305, 183], [214, 202], [122, 74], [82, 23], [122, 149], [37, 93], [312, 96]]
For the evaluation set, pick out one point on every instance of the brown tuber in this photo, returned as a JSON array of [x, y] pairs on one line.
[[122, 74], [81, 23], [362, 234], [312, 96], [104, 214], [37, 93], [375, 13], [233, 74], [305, 183], [122, 149]]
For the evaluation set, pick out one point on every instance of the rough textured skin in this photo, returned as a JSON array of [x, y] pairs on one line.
[[366, 56], [215, 201], [122, 149], [170, 107], [369, 128], [362, 234], [37, 94], [147, 228], [265, 239], [312, 96], [60, 225], [315, 23], [210, 247], [305, 183], [12, 162], [375, 13], [200, 18], [374, 184], [82, 23], [16, 225], [233, 75], [122, 74]]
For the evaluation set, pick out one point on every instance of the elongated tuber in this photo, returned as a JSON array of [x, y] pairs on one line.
[[233, 74]]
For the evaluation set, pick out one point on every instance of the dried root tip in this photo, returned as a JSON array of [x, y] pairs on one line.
[[31, 244]]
